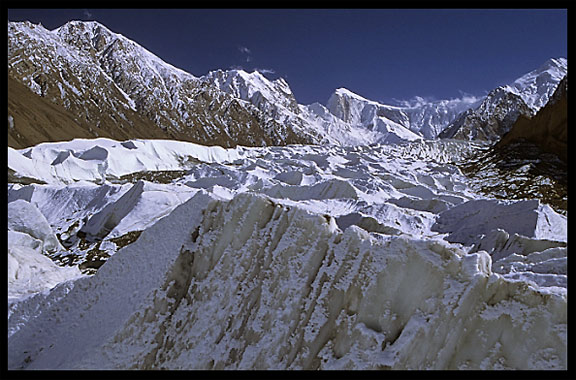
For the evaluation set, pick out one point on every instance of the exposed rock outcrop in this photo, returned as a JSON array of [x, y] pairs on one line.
[[548, 128]]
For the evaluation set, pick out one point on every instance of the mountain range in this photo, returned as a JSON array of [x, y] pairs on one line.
[[87, 81]]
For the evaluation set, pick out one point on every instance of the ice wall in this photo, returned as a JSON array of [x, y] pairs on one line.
[[30, 238], [253, 283]]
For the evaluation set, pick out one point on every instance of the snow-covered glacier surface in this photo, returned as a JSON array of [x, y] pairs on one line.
[[297, 257]]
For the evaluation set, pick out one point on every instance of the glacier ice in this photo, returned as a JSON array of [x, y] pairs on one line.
[[350, 255], [26, 218], [30, 238], [252, 283], [467, 221], [298, 257]]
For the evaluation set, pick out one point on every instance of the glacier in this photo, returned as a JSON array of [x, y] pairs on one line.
[[377, 248], [295, 257]]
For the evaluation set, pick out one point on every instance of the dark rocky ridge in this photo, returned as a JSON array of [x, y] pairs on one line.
[[548, 128], [530, 161], [105, 85], [493, 118]]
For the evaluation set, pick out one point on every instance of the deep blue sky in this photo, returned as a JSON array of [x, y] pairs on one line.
[[381, 54]]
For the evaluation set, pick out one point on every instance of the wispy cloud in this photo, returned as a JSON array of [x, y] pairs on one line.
[[87, 13], [417, 101], [265, 71], [247, 57], [244, 50], [469, 98]]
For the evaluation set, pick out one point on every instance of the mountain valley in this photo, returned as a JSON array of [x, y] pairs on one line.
[[161, 220]]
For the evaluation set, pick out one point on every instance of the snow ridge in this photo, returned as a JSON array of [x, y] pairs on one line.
[[538, 86]]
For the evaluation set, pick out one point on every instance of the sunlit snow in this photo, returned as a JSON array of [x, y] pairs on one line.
[[280, 257]]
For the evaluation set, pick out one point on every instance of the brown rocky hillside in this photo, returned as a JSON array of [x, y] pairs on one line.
[[548, 128], [33, 119], [83, 80]]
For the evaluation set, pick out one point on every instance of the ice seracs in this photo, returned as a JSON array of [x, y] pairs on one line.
[[466, 222], [30, 240], [301, 257], [254, 283]]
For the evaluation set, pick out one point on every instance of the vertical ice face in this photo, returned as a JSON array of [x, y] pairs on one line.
[[466, 222], [30, 240], [252, 283], [24, 217]]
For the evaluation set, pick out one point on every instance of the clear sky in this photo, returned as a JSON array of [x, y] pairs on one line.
[[381, 54]]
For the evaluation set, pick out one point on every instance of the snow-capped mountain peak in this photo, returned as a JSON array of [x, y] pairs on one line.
[[344, 92], [426, 118], [96, 38], [86, 31], [537, 86], [111, 69], [254, 87], [494, 116], [216, 108]]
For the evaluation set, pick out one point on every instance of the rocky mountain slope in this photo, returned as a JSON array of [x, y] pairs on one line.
[[548, 128], [504, 105], [103, 79], [33, 119], [530, 161], [492, 119], [109, 86]]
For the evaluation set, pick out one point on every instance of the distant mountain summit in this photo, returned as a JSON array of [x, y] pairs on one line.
[[502, 106], [538, 86], [112, 84], [87, 81], [384, 119], [548, 129], [70, 95], [419, 116]]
